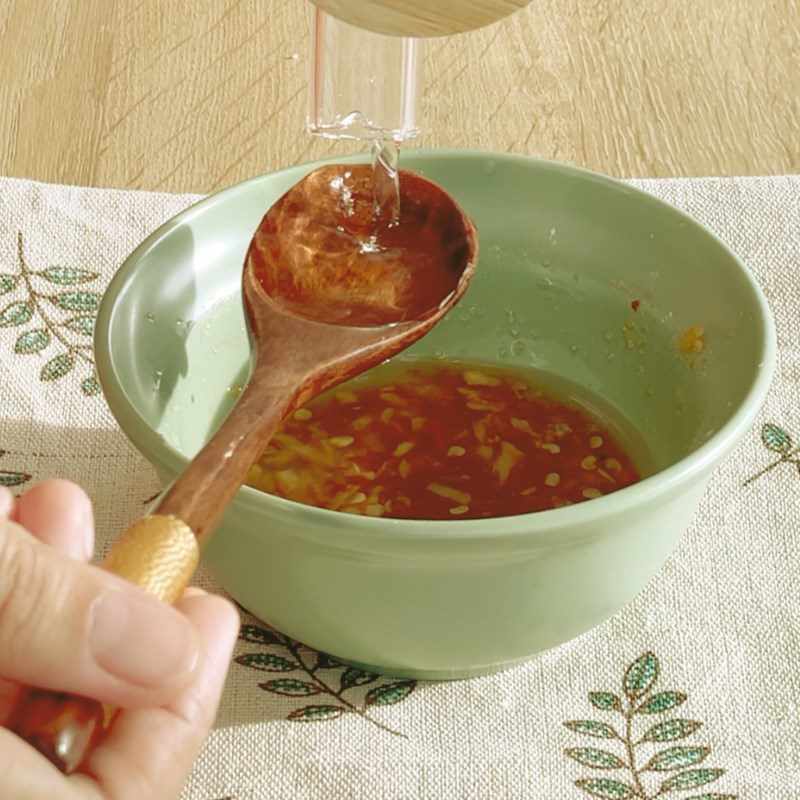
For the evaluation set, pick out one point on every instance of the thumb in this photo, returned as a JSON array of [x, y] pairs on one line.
[[72, 627]]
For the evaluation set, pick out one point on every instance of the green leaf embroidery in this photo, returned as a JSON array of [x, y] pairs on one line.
[[257, 635], [32, 341], [353, 676], [712, 796], [57, 367], [640, 676], [15, 314], [691, 778], [266, 661], [67, 276], [389, 693], [91, 386], [663, 701], [599, 759], [290, 687], [589, 727], [671, 730], [52, 326], [677, 758], [605, 701], [638, 685], [314, 682], [84, 324], [77, 301], [310, 713], [775, 438], [605, 787], [324, 661], [13, 478]]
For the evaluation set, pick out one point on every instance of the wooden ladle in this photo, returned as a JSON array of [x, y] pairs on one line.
[[330, 290]]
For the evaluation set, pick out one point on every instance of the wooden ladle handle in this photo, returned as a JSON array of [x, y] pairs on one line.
[[202, 492], [158, 553]]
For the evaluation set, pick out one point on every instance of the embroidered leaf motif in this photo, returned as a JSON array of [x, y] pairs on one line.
[[77, 301], [663, 701], [314, 678], [32, 341], [671, 730], [67, 276], [290, 687], [51, 326], [712, 796], [591, 728], [640, 675], [90, 386], [324, 661], [599, 759], [605, 787], [310, 713], [681, 760], [13, 478], [15, 314], [691, 778], [353, 676], [677, 758], [257, 635], [84, 324], [775, 438], [389, 693], [266, 661], [605, 701], [57, 367]]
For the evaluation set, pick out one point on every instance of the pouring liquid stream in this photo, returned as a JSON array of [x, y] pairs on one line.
[[386, 181], [385, 190], [369, 252]]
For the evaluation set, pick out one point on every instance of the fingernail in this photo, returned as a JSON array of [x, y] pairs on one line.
[[139, 640]]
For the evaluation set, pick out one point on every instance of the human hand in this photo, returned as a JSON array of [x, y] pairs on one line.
[[72, 627]]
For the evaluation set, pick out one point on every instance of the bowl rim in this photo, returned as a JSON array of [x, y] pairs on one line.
[[376, 529]]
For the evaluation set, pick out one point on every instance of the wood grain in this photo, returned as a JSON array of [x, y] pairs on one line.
[[421, 17], [193, 95]]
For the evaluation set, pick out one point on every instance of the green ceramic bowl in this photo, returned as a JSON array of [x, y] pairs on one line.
[[564, 252]]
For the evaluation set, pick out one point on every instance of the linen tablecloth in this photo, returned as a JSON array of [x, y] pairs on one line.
[[709, 652]]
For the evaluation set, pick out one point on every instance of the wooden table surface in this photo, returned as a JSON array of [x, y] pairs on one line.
[[193, 95]]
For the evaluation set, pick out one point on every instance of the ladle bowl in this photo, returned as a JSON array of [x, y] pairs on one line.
[[330, 290]]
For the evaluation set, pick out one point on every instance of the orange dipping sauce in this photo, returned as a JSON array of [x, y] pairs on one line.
[[442, 440]]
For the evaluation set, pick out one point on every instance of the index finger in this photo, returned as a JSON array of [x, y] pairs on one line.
[[59, 513]]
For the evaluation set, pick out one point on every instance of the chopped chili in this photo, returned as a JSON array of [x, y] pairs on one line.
[[443, 441]]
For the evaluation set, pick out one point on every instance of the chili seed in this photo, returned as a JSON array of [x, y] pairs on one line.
[[552, 479]]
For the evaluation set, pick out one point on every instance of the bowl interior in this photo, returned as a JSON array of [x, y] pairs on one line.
[[579, 275]]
